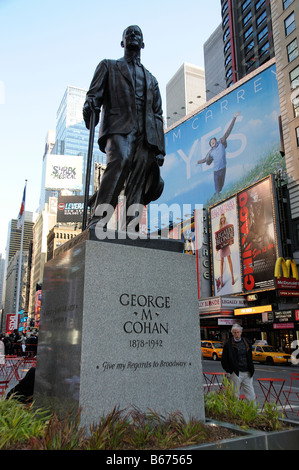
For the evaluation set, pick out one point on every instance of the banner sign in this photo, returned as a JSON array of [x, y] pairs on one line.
[[201, 223], [257, 236], [70, 208], [283, 316], [225, 248], [215, 304], [287, 286], [10, 323], [64, 172]]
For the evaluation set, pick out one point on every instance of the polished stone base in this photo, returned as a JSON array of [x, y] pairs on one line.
[[119, 327]]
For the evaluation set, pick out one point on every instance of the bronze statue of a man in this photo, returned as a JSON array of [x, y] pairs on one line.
[[131, 129]]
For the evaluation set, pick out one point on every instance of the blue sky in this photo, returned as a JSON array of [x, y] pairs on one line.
[[48, 45]]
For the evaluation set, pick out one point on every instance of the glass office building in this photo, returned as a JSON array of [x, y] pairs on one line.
[[247, 37], [71, 134]]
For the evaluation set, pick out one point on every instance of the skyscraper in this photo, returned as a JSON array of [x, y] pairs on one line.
[[214, 64], [247, 36], [72, 137], [185, 92], [285, 22]]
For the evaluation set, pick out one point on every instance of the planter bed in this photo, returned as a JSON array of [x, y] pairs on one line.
[[253, 439]]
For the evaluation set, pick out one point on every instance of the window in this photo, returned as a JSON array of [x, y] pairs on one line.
[[289, 24], [292, 50], [262, 34], [249, 47], [297, 135], [295, 101], [224, 8], [264, 49], [286, 3], [226, 35], [247, 18], [248, 33], [259, 4], [294, 78], [250, 63], [225, 21], [245, 5], [228, 60], [261, 18], [226, 47], [229, 73]]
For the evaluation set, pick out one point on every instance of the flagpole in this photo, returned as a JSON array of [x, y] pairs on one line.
[[20, 267]]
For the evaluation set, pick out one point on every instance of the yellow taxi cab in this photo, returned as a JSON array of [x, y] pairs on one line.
[[212, 349], [267, 354]]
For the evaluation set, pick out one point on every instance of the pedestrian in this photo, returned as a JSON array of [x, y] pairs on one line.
[[23, 343], [237, 361], [2, 351], [31, 344], [8, 344]]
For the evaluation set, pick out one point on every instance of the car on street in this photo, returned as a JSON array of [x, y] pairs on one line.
[[212, 349], [267, 354]]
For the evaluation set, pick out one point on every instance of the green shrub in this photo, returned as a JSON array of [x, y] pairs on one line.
[[19, 423], [224, 405]]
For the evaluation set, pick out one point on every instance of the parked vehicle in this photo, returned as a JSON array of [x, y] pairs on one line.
[[268, 355], [212, 349]]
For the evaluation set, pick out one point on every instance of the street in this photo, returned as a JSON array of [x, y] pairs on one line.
[[264, 371]]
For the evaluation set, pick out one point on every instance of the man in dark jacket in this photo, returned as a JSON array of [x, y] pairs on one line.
[[237, 361], [131, 129]]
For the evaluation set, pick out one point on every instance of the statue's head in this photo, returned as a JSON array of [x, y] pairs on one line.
[[132, 38]]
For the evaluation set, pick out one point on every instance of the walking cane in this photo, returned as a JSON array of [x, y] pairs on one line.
[[88, 166]]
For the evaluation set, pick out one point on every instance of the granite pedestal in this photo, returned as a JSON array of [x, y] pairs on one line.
[[119, 327]]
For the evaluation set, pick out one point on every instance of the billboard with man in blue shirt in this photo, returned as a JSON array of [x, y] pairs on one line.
[[227, 145]]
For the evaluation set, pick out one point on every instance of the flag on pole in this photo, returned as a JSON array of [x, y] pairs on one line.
[[21, 216]]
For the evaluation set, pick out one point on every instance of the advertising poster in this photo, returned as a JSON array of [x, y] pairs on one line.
[[64, 172], [225, 248], [70, 208], [201, 225], [257, 236], [10, 323], [228, 145]]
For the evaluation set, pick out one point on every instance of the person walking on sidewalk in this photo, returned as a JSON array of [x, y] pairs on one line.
[[237, 361]]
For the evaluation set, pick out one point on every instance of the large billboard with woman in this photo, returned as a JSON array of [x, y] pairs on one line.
[[225, 248]]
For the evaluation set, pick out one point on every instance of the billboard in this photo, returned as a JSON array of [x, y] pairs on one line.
[[258, 241], [225, 248], [10, 323], [243, 240], [227, 145], [70, 208], [64, 172]]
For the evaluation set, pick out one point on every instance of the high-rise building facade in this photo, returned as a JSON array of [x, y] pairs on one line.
[[45, 221], [14, 235], [72, 137], [285, 23], [214, 64], [247, 36], [185, 92], [13, 249]]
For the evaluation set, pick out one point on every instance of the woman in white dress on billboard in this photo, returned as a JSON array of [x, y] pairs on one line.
[[225, 253]]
